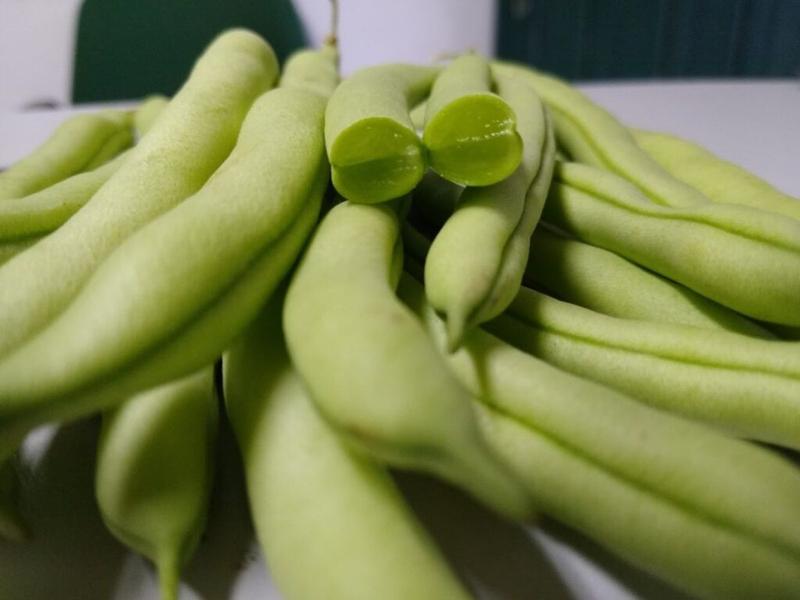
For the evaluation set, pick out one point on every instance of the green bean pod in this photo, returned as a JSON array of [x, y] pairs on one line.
[[372, 145], [147, 113], [476, 262], [190, 140], [470, 132], [744, 386], [227, 246], [743, 258], [154, 471], [607, 283], [82, 142], [718, 179], [715, 516], [44, 211], [371, 369], [299, 474], [9, 249], [592, 135]]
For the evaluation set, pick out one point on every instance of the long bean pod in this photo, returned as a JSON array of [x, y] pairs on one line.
[[155, 464], [189, 141], [602, 281], [592, 135], [369, 366], [715, 516], [81, 142], [372, 145], [300, 474], [476, 262], [718, 179], [470, 132], [745, 386], [743, 258], [229, 246]]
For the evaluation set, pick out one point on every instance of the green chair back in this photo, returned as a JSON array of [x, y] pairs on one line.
[[128, 49]]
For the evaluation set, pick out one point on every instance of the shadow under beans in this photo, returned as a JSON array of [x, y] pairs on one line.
[[227, 544], [496, 557], [71, 555], [639, 583]]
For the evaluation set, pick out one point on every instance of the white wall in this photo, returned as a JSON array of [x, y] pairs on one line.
[[37, 38]]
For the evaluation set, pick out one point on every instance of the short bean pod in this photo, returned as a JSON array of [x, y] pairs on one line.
[[476, 262], [188, 142], [155, 464], [470, 133], [714, 516], [607, 283], [743, 258], [591, 135], [369, 365], [718, 179], [208, 265], [744, 386], [299, 475], [147, 114], [80, 143], [372, 145]]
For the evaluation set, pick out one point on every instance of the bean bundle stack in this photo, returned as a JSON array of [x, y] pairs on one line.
[[470, 271]]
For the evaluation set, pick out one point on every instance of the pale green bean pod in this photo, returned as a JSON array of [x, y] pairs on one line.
[[470, 132], [743, 258], [718, 179], [592, 135], [372, 145], [371, 369], [476, 262], [605, 282], [742, 385], [717, 517], [147, 113], [192, 137], [82, 142], [210, 263], [300, 475], [155, 465], [35, 215]]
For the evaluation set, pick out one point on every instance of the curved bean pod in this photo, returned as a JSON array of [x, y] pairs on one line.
[[72, 148], [743, 258], [299, 474], [607, 283], [715, 516], [44, 211], [592, 135], [470, 133], [190, 140], [476, 261], [369, 366], [147, 114], [212, 240], [742, 385], [154, 471], [372, 145], [718, 179]]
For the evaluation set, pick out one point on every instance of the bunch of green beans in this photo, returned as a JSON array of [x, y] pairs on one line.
[[663, 493], [663, 276], [300, 474]]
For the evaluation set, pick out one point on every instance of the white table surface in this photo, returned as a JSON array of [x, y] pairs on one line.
[[72, 557]]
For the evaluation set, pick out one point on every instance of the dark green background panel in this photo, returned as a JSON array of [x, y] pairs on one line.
[[128, 49], [611, 39]]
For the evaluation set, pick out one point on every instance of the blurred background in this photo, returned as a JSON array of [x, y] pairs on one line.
[[56, 52]]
